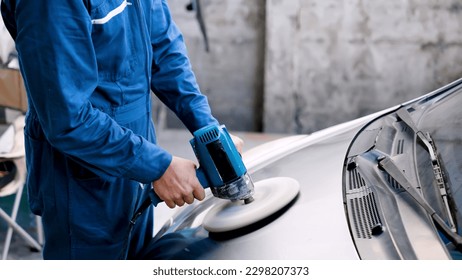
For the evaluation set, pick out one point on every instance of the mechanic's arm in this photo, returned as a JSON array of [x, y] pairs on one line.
[[175, 84], [57, 59], [173, 81]]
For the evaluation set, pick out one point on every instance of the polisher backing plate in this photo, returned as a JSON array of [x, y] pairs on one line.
[[271, 195]]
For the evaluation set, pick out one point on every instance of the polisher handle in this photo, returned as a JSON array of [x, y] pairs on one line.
[[202, 178], [155, 199]]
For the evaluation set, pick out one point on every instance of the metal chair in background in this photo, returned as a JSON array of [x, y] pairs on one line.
[[13, 173]]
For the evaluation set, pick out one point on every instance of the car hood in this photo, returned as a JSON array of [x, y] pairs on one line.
[[313, 227]]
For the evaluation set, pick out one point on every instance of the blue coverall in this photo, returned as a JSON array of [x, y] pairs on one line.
[[89, 67]]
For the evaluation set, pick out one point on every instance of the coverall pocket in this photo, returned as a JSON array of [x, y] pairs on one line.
[[37, 163], [34, 161], [112, 35]]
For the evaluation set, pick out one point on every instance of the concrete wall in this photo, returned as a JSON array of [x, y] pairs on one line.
[[328, 61], [296, 66], [231, 73]]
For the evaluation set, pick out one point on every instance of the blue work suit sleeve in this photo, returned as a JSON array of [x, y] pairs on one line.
[[172, 80], [57, 59]]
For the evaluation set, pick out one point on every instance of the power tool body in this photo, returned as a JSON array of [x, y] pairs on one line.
[[220, 165]]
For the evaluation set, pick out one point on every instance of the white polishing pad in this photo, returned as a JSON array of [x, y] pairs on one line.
[[270, 196]]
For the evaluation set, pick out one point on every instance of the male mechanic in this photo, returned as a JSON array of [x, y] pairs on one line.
[[89, 67]]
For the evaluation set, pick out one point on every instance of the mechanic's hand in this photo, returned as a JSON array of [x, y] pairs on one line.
[[238, 142], [179, 184]]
